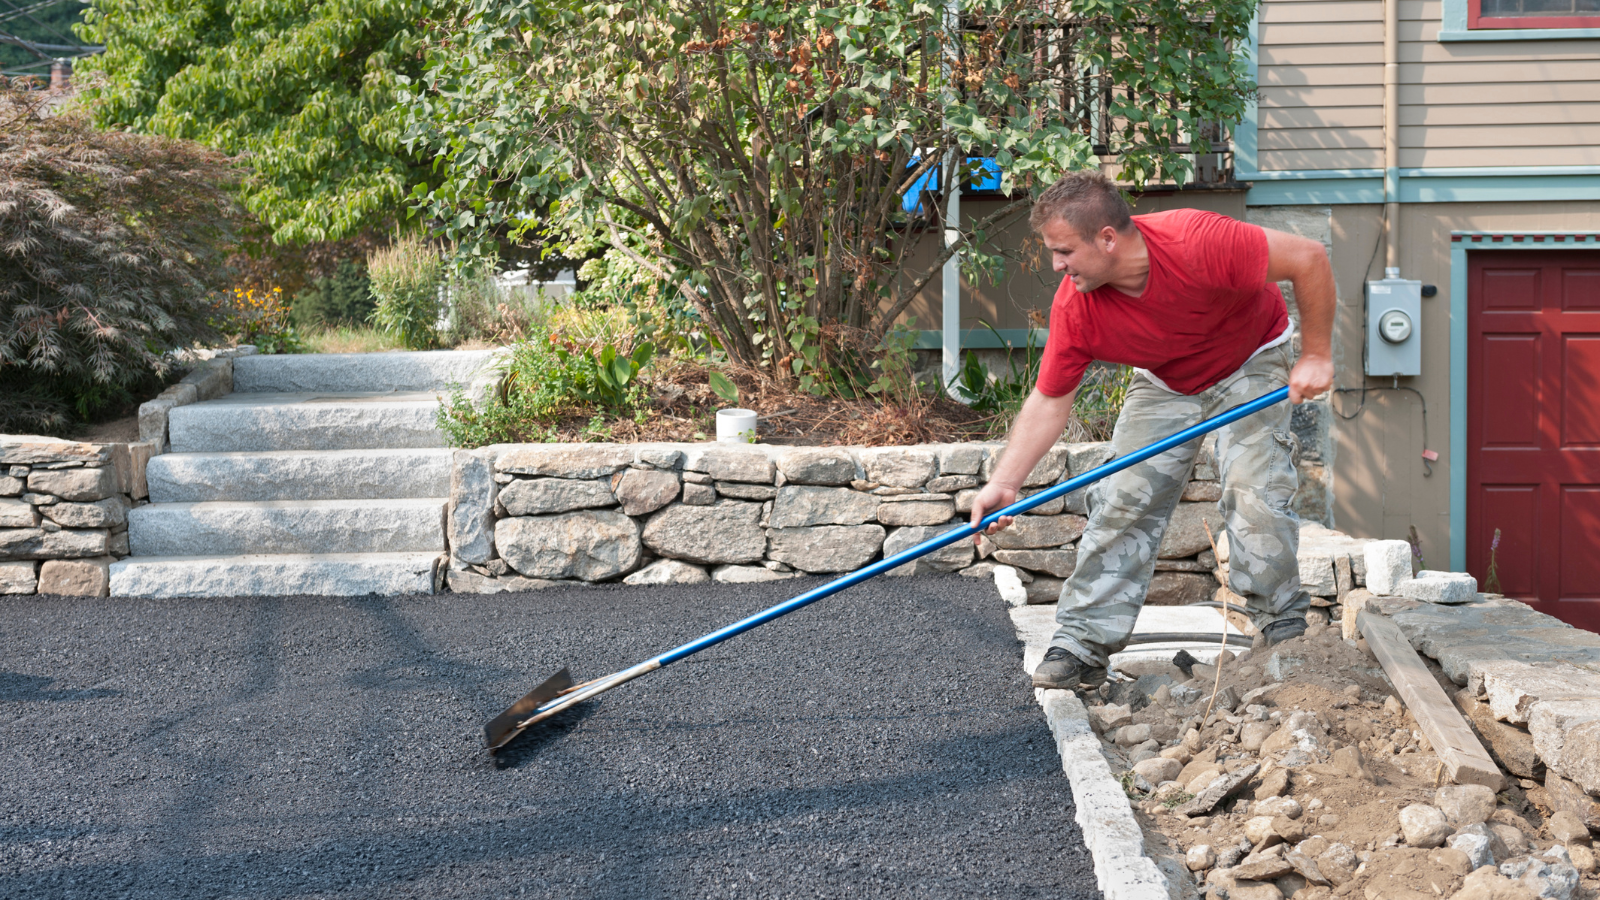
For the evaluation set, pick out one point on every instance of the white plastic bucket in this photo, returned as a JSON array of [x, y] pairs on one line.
[[736, 426]]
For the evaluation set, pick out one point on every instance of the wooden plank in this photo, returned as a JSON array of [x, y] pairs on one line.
[[1319, 138], [1452, 738], [1342, 158]]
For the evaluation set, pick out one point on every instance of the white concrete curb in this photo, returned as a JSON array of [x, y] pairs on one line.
[[1115, 840]]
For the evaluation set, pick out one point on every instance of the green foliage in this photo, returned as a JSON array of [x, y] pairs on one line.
[[546, 379], [997, 394], [343, 298], [724, 388], [607, 378], [752, 157], [309, 90], [1100, 398], [115, 248], [405, 281]]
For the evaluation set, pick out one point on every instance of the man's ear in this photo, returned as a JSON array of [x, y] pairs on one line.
[[1108, 239]]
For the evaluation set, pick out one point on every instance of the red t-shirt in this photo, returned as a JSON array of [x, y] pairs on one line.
[[1206, 308]]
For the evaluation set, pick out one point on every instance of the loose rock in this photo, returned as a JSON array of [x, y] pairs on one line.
[[1424, 826]]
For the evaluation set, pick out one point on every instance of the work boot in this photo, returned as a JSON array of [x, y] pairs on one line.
[[1283, 630], [1063, 671]]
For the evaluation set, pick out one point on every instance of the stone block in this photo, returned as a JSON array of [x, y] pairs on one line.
[[1044, 590], [698, 494], [18, 577], [588, 545], [1033, 532], [117, 544], [1580, 756], [471, 511], [464, 582], [1515, 688], [36, 543], [153, 420], [1388, 566], [546, 496], [17, 513], [424, 370], [643, 491], [11, 486], [211, 379], [826, 548], [1083, 457], [916, 512], [961, 459], [1317, 576], [1567, 796], [1058, 563], [75, 484], [903, 467], [1512, 747], [76, 577], [1465, 804], [747, 463], [1202, 492], [108, 513], [739, 490], [565, 460], [661, 457], [669, 571], [1180, 588], [1186, 533], [804, 506], [18, 451], [725, 532], [1444, 588], [817, 465], [746, 575], [139, 455], [1047, 508], [298, 526], [949, 484], [1048, 470], [950, 558]]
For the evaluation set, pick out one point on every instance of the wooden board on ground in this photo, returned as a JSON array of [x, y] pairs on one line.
[[1452, 738]]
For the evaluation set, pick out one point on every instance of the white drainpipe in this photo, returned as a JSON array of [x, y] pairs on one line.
[[950, 289], [1391, 137]]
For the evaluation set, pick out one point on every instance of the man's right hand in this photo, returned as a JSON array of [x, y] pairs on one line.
[[993, 496]]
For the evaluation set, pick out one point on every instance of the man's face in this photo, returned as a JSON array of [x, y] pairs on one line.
[[1088, 262]]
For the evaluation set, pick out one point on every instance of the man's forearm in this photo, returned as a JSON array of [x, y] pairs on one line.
[[1314, 294], [1039, 423]]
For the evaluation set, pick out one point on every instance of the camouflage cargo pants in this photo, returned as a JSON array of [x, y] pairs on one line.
[[1128, 512]]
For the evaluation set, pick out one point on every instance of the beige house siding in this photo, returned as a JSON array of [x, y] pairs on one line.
[[1379, 485], [1514, 103]]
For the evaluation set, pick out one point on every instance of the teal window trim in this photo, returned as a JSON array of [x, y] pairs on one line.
[[1417, 185], [1453, 27], [1244, 134], [984, 339], [1460, 243]]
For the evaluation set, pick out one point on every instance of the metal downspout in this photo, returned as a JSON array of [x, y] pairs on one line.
[[1391, 137], [950, 286]]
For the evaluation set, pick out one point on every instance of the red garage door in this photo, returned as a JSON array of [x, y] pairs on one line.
[[1533, 427]]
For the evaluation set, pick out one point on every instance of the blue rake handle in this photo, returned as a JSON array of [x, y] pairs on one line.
[[601, 685]]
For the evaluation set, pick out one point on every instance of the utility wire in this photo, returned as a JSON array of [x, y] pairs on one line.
[[23, 11]]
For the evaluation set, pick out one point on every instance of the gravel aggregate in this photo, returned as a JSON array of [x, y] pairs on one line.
[[881, 743]]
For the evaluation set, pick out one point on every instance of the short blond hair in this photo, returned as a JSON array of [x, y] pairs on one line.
[[1087, 200]]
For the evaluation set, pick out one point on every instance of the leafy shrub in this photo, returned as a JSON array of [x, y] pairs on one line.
[[114, 255], [546, 378], [405, 281], [343, 298], [480, 310]]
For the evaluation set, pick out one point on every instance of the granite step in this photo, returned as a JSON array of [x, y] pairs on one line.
[[299, 475], [279, 575], [306, 421], [428, 370], [287, 526]]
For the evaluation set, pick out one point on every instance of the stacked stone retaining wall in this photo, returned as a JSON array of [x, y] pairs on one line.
[[530, 515], [64, 512]]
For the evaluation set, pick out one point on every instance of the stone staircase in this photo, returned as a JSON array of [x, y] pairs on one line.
[[321, 474]]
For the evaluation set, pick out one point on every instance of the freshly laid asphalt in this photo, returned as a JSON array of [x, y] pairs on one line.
[[881, 743]]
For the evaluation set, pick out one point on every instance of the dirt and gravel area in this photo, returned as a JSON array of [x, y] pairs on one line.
[[1310, 780], [883, 743]]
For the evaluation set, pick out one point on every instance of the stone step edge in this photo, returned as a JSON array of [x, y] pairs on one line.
[[294, 504], [1122, 868], [430, 583]]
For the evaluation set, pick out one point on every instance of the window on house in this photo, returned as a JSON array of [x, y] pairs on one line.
[[1489, 14]]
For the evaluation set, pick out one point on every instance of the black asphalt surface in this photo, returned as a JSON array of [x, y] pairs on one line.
[[882, 743]]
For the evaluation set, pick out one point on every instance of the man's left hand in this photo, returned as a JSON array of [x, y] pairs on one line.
[[1310, 376]]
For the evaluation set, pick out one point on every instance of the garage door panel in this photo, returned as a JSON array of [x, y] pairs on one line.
[[1513, 509], [1509, 407], [1580, 289], [1512, 289], [1580, 388], [1580, 523]]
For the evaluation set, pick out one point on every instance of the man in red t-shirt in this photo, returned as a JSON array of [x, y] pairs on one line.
[[1190, 300]]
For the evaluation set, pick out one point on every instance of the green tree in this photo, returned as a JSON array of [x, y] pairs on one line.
[[756, 154], [306, 91]]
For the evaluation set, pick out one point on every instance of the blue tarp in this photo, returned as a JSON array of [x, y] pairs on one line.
[[988, 180]]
